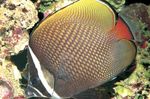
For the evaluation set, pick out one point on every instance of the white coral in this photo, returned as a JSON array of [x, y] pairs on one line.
[[16, 17]]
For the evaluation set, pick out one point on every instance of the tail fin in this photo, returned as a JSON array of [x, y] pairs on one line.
[[124, 53]]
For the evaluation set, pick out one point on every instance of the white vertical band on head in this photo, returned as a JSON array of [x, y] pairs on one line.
[[41, 75]]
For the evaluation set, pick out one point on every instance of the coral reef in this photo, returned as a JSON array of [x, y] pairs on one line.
[[48, 7], [116, 4], [137, 85], [138, 19], [16, 17], [9, 81]]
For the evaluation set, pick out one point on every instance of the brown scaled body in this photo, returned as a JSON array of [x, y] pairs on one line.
[[79, 46]]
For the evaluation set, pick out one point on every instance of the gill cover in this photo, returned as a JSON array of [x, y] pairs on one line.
[[77, 48]]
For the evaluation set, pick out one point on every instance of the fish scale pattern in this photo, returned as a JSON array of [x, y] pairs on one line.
[[75, 55], [75, 46]]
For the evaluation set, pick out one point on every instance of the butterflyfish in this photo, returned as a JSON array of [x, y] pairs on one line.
[[79, 47]]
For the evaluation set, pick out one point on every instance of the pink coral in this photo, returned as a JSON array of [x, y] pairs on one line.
[[6, 90]]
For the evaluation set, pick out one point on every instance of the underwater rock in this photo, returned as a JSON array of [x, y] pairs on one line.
[[50, 6], [116, 4], [139, 21], [17, 16], [137, 85], [6, 90], [9, 81], [139, 11]]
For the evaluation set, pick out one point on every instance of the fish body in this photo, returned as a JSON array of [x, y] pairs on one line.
[[79, 47]]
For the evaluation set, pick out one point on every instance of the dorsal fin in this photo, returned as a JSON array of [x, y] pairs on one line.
[[92, 12]]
